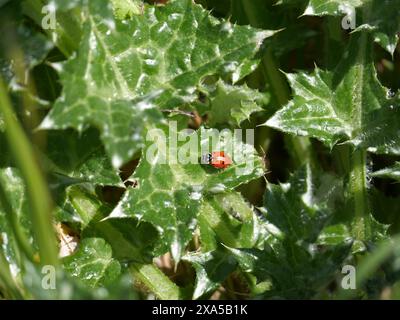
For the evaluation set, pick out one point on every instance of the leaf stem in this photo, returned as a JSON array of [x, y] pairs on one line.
[[156, 281], [275, 77], [333, 41], [358, 176], [38, 194], [358, 187]]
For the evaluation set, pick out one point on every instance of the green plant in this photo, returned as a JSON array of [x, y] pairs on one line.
[[78, 103]]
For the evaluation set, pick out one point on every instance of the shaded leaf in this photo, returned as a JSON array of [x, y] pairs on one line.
[[296, 272], [228, 219], [3, 2], [23, 49], [384, 30], [130, 241], [33, 46], [390, 173], [232, 104], [267, 15], [79, 157], [297, 263], [5, 159], [212, 268], [296, 208], [284, 42], [76, 164], [66, 33]]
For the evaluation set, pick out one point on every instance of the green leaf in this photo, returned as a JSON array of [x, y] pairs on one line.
[[207, 236], [69, 287], [380, 132], [385, 31], [93, 263], [169, 194], [73, 160], [77, 164], [379, 230], [389, 173], [212, 268], [154, 279], [232, 104], [79, 204], [15, 224], [228, 219], [311, 112], [320, 107], [127, 8], [262, 263], [124, 68], [334, 234], [130, 241], [331, 7]]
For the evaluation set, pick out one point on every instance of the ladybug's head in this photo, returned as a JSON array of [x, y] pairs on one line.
[[206, 158]]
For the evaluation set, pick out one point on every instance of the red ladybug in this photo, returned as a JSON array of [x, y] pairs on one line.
[[218, 159]]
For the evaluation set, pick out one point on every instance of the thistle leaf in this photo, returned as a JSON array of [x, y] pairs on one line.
[[321, 104], [155, 60], [169, 194], [93, 263]]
